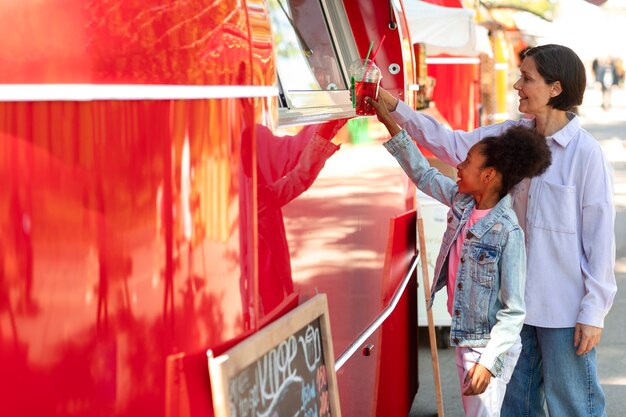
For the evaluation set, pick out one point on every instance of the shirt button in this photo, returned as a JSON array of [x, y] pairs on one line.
[[481, 257], [457, 312], [469, 235], [462, 260], [456, 341], [459, 286], [449, 219]]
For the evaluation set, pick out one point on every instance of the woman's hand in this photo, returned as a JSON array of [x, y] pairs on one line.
[[390, 101], [477, 380], [586, 337]]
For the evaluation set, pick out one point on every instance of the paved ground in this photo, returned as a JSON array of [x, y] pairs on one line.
[[609, 127]]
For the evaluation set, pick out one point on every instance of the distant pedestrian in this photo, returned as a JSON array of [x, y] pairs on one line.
[[606, 74], [619, 71]]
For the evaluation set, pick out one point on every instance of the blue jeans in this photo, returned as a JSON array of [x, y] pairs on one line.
[[548, 370]]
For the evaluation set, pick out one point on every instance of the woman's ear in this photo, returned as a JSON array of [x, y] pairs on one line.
[[556, 89]]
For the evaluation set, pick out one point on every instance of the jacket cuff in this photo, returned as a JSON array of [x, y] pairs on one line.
[[495, 364], [398, 142]]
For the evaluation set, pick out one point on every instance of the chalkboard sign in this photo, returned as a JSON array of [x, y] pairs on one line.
[[287, 369]]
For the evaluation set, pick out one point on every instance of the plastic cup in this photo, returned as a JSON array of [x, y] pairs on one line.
[[365, 85]]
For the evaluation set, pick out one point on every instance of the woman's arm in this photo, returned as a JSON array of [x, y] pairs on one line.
[[598, 261], [450, 146], [301, 177]]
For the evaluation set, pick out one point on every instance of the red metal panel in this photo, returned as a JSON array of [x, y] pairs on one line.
[[370, 21], [396, 385], [130, 41], [456, 93]]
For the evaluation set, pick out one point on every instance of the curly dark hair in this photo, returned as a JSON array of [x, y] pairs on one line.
[[516, 154]]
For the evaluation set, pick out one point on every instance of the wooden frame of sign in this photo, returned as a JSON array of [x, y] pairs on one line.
[[285, 369]]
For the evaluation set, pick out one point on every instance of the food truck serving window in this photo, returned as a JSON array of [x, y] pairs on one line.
[[310, 66]]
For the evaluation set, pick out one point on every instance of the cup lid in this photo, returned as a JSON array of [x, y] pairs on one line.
[[359, 66]]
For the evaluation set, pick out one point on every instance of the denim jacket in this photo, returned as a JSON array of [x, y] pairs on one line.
[[488, 309]]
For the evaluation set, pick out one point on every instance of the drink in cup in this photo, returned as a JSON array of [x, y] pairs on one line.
[[366, 81]]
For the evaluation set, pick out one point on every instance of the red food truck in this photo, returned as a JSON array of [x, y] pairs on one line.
[[163, 195]]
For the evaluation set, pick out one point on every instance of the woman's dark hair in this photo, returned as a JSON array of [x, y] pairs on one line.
[[518, 153], [560, 63]]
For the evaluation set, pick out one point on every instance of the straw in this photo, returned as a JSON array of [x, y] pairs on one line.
[[378, 47], [368, 51], [374, 55], [362, 76]]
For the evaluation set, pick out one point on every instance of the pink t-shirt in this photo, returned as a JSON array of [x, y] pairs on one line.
[[455, 250]]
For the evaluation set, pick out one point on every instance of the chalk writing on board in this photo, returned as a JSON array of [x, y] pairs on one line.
[[288, 381]]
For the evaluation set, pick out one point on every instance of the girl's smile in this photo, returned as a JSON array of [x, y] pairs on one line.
[[481, 182], [469, 172]]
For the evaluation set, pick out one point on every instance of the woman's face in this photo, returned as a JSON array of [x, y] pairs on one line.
[[532, 89]]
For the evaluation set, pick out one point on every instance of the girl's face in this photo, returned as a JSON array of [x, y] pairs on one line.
[[532, 89], [471, 172]]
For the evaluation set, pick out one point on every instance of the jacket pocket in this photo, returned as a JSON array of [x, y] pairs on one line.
[[483, 263], [556, 207]]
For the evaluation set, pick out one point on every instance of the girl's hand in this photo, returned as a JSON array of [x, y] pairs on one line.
[[383, 115], [477, 380], [586, 337]]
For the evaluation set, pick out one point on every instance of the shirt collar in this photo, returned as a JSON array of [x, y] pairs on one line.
[[564, 136]]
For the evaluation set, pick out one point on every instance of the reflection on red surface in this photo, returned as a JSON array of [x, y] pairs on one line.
[[127, 41], [261, 45], [286, 167], [120, 246], [126, 249]]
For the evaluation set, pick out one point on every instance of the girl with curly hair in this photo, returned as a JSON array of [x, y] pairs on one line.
[[482, 260]]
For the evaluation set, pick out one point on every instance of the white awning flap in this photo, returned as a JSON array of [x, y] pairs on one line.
[[448, 30]]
